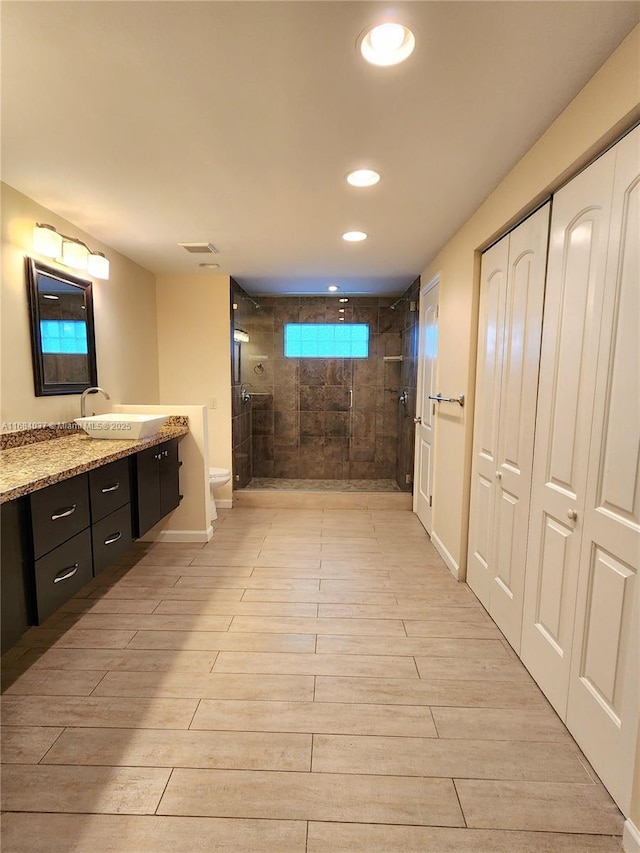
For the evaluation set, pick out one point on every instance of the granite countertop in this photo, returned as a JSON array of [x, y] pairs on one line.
[[31, 467]]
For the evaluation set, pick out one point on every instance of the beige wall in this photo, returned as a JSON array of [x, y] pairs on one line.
[[194, 353], [125, 322], [608, 104]]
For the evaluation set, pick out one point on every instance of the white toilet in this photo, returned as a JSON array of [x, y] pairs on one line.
[[217, 477]]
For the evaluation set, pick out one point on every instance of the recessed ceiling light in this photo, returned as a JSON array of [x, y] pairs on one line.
[[362, 178], [332, 288], [387, 44], [354, 236], [343, 299], [209, 266]]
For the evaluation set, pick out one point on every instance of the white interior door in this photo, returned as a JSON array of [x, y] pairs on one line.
[[573, 303], [493, 290], [516, 421], [602, 711], [425, 409]]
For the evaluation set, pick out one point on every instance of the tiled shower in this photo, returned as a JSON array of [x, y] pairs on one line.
[[334, 419]]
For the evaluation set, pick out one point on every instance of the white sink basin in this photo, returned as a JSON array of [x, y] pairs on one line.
[[121, 425]]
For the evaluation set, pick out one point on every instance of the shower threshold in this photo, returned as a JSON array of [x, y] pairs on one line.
[[283, 484]]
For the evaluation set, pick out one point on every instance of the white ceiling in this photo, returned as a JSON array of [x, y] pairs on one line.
[[152, 123]]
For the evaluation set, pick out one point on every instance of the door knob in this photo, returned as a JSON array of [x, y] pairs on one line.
[[498, 475], [417, 420], [572, 514]]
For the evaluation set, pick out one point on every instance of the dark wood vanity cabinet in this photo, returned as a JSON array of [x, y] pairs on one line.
[[157, 484], [56, 539]]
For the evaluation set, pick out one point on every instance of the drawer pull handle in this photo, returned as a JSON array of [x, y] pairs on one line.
[[113, 538], [110, 488], [64, 513], [70, 572]]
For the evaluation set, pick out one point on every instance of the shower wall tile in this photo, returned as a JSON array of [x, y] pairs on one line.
[[285, 398], [337, 423], [313, 371], [262, 422], [312, 398], [285, 371], [312, 423], [336, 399]]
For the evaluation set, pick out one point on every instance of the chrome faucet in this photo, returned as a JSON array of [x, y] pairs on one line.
[[245, 396], [83, 400]]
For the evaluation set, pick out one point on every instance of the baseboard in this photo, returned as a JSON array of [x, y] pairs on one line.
[[180, 536], [224, 503], [630, 837], [451, 564]]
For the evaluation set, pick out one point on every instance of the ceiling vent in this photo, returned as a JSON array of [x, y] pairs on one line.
[[199, 248]]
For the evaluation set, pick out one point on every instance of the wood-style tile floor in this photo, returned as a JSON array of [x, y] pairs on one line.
[[308, 681]]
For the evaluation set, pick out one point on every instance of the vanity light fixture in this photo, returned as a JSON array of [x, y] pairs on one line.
[[343, 299], [240, 336], [354, 236], [69, 251], [362, 178], [332, 288], [341, 310], [387, 44]]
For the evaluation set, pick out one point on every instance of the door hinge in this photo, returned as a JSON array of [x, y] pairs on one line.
[[430, 500]]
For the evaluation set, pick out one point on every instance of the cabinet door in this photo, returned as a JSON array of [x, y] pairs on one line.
[[493, 289], [147, 489], [516, 420], [169, 477], [15, 593], [575, 282], [603, 694]]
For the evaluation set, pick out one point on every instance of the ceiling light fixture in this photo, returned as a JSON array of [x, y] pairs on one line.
[[387, 44], [332, 288], [362, 178], [354, 236], [341, 310], [69, 251], [209, 266], [343, 299]]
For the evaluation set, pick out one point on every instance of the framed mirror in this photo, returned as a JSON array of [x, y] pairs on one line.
[[62, 334]]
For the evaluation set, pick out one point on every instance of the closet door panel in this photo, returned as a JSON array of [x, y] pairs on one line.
[[575, 284], [603, 697], [521, 359], [493, 285]]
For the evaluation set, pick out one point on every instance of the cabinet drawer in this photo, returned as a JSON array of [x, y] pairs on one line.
[[111, 537], [58, 513], [62, 573], [109, 488]]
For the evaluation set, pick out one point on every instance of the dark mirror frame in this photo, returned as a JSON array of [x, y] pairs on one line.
[[42, 388]]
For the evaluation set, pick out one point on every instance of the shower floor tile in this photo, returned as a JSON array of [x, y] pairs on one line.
[[290, 485]]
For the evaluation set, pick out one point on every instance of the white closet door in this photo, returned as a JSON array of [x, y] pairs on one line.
[[602, 711], [520, 366], [573, 303], [493, 289]]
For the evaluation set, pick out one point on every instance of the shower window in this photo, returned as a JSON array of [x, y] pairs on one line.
[[326, 340]]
